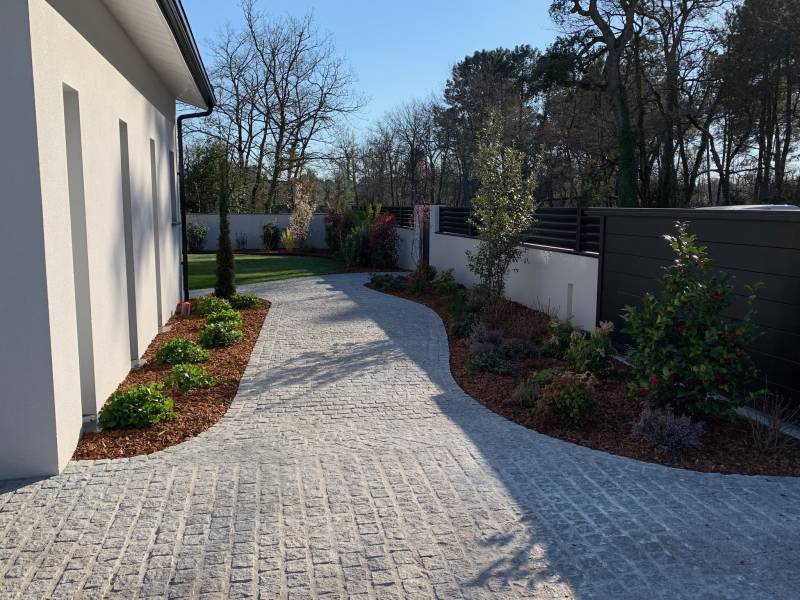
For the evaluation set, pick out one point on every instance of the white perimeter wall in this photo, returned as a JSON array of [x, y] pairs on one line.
[[251, 224], [408, 250], [44, 45], [557, 282]]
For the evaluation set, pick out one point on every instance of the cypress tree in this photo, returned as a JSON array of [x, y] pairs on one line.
[[226, 270]]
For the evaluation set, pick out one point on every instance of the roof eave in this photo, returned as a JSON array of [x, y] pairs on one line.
[[176, 19]]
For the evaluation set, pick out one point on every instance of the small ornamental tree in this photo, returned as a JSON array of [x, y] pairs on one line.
[[226, 270], [503, 212], [303, 206], [688, 356]]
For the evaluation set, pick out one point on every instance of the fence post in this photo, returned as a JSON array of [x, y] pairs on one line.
[[578, 229]]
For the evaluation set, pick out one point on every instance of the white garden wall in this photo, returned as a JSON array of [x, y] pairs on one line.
[[250, 225], [558, 282], [408, 248]]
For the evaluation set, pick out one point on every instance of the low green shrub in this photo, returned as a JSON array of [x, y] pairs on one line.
[[592, 353], [478, 299], [180, 350], [421, 279], [568, 398], [240, 301], [223, 333], [462, 326], [489, 362], [228, 315], [560, 337], [528, 392], [138, 406], [211, 304], [388, 283], [445, 284], [187, 377]]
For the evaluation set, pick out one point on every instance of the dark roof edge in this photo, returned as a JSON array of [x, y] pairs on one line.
[[176, 19]]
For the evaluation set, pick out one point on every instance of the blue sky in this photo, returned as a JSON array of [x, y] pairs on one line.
[[399, 50]]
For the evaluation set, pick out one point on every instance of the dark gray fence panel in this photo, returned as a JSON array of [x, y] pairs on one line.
[[751, 246]]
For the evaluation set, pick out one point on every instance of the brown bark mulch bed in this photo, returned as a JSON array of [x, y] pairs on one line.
[[197, 410], [728, 446]]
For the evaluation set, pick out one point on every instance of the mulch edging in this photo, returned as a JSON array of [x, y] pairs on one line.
[[197, 409], [727, 446]]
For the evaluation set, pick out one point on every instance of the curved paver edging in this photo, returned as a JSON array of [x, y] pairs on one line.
[[351, 463]]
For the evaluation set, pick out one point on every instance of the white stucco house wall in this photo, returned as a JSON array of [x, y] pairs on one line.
[[90, 228]]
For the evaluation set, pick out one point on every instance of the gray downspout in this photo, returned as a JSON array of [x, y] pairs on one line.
[[182, 195]]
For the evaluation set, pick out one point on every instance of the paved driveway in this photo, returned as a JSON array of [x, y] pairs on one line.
[[351, 465]]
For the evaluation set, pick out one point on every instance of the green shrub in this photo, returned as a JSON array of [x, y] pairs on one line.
[[180, 350], [489, 362], [211, 304], [462, 326], [445, 283], [187, 377], [138, 406], [196, 235], [228, 315], [560, 337], [270, 235], [591, 353], [686, 354], [478, 299], [670, 433], [528, 392], [223, 333], [421, 279], [240, 301], [568, 398], [388, 283], [355, 248]]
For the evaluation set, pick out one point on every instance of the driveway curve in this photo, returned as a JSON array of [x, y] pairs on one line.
[[351, 465]]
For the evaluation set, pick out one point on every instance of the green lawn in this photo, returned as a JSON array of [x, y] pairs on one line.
[[254, 268]]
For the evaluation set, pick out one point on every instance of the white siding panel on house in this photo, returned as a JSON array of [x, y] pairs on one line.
[[79, 45]]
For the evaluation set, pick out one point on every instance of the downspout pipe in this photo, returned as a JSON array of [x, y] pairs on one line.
[[182, 196]]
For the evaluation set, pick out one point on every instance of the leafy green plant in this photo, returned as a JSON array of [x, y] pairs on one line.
[[478, 299], [180, 350], [270, 234], [211, 304], [489, 362], [560, 337], [196, 235], [187, 377], [287, 240], [355, 249], [503, 210], [568, 398], [527, 393], [445, 284], [138, 406], [303, 205], [388, 283], [592, 353], [240, 301], [421, 279], [687, 355], [223, 333], [462, 326], [227, 315], [224, 286]]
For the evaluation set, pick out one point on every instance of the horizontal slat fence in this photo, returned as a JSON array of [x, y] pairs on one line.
[[752, 246], [404, 215], [563, 229]]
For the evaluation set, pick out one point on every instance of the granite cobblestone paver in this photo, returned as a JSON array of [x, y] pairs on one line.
[[350, 465]]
